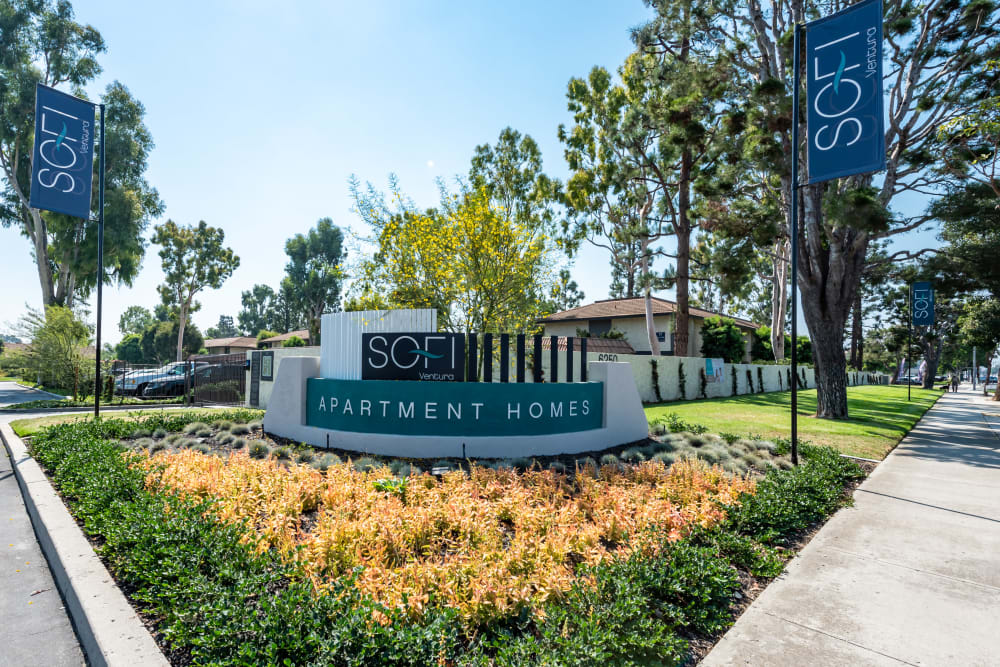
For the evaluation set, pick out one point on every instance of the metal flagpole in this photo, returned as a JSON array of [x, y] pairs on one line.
[[909, 344], [795, 244], [100, 271]]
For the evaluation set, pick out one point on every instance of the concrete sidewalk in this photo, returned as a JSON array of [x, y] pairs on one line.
[[34, 626], [910, 574]]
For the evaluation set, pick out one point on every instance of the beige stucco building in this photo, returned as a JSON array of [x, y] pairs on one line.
[[629, 317]]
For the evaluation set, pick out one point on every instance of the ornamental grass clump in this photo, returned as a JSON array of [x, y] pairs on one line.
[[160, 433], [489, 544], [633, 455], [324, 462], [223, 425], [194, 427], [259, 450], [240, 429]]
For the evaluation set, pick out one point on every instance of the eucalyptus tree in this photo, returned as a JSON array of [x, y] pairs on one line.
[[931, 48], [194, 259], [41, 42], [257, 313], [315, 272]]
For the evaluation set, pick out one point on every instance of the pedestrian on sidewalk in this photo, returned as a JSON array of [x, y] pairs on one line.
[[954, 381]]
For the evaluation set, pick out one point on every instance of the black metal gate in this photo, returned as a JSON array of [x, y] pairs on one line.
[[219, 379]]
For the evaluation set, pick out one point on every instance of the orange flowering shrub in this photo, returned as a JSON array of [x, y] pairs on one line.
[[488, 543]]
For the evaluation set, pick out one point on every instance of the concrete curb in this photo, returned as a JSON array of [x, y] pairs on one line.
[[109, 630], [12, 410]]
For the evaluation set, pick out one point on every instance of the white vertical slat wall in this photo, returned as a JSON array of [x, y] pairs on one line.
[[340, 346]]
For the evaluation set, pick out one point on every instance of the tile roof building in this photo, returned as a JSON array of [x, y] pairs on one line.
[[628, 316], [230, 345], [279, 341]]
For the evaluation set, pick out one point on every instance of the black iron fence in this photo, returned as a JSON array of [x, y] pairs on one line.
[[217, 378], [144, 381], [201, 379], [497, 349]]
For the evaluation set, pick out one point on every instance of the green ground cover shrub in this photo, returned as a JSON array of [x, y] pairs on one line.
[[215, 599]]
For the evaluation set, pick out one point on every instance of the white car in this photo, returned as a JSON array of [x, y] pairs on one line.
[[133, 382]]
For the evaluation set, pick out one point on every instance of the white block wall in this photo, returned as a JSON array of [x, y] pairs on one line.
[[340, 342], [775, 377]]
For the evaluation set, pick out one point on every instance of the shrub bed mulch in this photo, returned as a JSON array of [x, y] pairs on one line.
[[218, 589]]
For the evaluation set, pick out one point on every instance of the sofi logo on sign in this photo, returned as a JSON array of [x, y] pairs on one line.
[[413, 356], [63, 164], [844, 92], [923, 304]]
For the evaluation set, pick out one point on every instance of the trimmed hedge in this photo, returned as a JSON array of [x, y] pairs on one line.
[[215, 600]]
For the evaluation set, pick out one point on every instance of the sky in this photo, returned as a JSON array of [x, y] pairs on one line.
[[262, 111]]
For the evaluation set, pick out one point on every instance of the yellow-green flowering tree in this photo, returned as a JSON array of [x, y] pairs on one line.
[[482, 268]]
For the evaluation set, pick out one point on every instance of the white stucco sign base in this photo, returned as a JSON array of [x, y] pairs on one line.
[[623, 421]]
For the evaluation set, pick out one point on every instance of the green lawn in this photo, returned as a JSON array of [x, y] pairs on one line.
[[879, 417], [4, 378], [26, 427]]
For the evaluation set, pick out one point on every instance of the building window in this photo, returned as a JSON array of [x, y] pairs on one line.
[[661, 336], [599, 327]]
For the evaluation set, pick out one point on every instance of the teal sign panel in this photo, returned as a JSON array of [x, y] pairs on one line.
[[62, 168], [844, 92], [453, 408], [922, 304]]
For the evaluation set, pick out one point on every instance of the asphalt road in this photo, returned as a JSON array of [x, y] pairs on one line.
[[35, 629], [11, 393]]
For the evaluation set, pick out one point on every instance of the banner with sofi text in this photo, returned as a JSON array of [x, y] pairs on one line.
[[62, 169], [846, 130], [922, 304]]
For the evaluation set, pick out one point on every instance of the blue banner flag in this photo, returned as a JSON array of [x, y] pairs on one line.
[[62, 169], [844, 93], [922, 304]]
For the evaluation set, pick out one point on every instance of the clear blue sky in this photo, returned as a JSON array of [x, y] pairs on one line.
[[261, 111]]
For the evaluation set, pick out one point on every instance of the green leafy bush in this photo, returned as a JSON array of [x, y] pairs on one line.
[[789, 501], [675, 424], [216, 600]]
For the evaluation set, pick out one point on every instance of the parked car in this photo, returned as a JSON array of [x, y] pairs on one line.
[[173, 385], [134, 383]]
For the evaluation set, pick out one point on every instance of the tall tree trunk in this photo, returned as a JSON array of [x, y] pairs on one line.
[[856, 332], [40, 240], [829, 275], [182, 323], [683, 231], [932, 355], [654, 344], [38, 233], [779, 298]]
